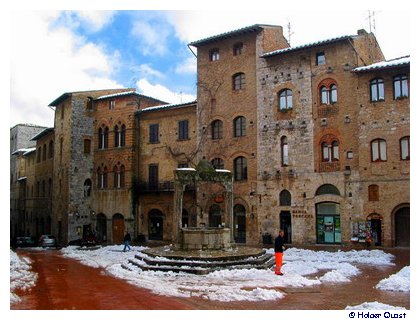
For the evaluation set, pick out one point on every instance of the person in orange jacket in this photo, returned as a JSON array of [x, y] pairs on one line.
[[278, 252]]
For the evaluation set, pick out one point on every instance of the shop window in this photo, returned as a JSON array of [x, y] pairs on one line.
[[328, 223]]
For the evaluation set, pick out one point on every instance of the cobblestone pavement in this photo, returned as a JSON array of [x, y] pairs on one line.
[[66, 284]]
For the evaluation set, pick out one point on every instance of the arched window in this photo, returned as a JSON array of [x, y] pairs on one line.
[[102, 174], [284, 151], [377, 90], [285, 99], [400, 87], [239, 126], [119, 136], [217, 163], [327, 189], [329, 148], [103, 134], [240, 169], [119, 175], [217, 129], [328, 94], [378, 150], [285, 198], [405, 148], [238, 81], [44, 152]]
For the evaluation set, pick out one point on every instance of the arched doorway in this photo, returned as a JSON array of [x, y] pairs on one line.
[[328, 224], [375, 221], [155, 225], [101, 227], [402, 227], [239, 221], [286, 225], [118, 228]]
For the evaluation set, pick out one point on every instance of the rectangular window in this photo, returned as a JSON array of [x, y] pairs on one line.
[[86, 146], [154, 133], [183, 130], [320, 58], [111, 105], [405, 148]]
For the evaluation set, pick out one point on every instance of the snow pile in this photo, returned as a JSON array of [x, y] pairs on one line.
[[373, 306], [301, 268], [396, 282], [21, 276]]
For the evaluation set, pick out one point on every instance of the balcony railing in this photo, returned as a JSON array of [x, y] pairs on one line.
[[162, 186]]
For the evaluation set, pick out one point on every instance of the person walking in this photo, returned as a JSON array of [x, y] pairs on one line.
[[278, 252], [127, 239]]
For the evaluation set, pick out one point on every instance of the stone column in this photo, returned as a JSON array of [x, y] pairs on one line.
[[177, 217]]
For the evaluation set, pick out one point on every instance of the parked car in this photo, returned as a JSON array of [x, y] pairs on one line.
[[20, 242], [47, 240]]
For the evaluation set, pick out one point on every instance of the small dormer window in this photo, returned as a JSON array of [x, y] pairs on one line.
[[214, 54], [320, 58]]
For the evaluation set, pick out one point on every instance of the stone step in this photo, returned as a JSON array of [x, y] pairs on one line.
[[262, 259], [201, 270]]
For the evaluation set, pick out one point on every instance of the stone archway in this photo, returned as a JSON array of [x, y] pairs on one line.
[[101, 227], [402, 226]]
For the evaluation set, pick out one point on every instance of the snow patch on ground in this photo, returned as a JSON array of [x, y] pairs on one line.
[[396, 282], [21, 276], [301, 268]]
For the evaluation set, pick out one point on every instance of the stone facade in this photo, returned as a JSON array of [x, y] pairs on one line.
[[20, 143], [297, 127]]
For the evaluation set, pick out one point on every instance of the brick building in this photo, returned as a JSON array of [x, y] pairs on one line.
[[316, 136]]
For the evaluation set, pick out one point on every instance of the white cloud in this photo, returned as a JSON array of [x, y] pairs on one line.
[[188, 66], [162, 93], [95, 20], [145, 70], [151, 37], [46, 61]]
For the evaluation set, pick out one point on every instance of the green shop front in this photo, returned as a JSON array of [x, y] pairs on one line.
[[328, 223]]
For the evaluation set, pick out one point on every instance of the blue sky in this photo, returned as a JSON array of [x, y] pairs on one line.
[[58, 51]]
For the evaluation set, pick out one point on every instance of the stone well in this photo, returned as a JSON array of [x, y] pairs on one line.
[[205, 238]]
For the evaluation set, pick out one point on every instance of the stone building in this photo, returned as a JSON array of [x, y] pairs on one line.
[[84, 123], [384, 150], [21, 146], [166, 141], [316, 137], [227, 125]]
